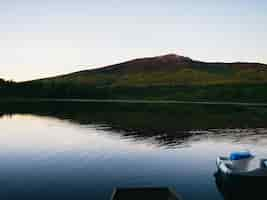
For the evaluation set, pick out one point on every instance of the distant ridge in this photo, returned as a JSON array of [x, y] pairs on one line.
[[166, 77], [169, 69], [171, 60], [164, 63]]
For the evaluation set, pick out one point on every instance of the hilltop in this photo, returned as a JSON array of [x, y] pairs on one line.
[[171, 77]]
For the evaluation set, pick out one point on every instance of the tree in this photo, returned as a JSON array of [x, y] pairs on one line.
[[2, 81]]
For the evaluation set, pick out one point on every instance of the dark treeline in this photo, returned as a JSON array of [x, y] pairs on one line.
[[39, 89], [5, 83]]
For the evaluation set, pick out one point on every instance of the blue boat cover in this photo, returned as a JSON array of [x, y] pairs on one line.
[[240, 155]]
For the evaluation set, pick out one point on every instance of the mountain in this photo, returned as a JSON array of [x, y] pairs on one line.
[[170, 77], [165, 70]]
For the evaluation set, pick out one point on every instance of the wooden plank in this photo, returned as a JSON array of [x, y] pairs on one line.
[[144, 194]]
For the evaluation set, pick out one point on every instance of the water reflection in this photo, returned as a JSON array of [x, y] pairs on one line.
[[168, 125], [178, 139], [70, 152]]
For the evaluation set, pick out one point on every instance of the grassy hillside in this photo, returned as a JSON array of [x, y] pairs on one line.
[[163, 77], [167, 70]]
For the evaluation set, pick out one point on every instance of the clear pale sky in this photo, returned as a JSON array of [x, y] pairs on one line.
[[45, 38]]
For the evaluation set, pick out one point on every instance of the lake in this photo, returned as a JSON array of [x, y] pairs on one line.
[[83, 152]]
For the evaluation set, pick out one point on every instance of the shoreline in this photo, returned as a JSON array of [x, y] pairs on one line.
[[132, 101]]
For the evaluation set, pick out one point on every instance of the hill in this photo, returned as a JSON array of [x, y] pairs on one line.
[[165, 71], [163, 77]]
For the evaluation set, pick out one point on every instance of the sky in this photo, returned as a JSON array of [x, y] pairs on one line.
[[46, 38]]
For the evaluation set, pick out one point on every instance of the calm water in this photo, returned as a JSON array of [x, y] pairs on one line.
[[50, 158]]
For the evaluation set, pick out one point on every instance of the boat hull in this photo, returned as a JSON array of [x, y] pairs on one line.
[[240, 187]]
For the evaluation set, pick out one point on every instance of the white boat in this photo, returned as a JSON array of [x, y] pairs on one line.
[[242, 164]]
